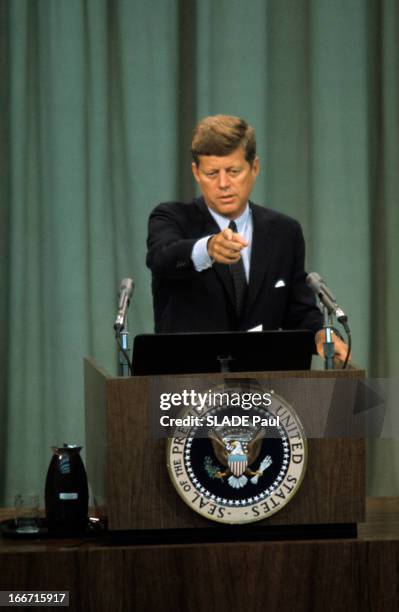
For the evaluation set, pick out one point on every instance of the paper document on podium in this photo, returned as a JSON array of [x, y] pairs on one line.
[[256, 328]]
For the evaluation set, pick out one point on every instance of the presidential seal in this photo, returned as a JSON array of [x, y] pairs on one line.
[[235, 465]]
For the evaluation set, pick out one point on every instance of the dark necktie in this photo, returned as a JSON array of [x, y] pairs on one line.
[[239, 278]]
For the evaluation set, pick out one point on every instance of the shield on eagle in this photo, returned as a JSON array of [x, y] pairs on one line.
[[238, 460]]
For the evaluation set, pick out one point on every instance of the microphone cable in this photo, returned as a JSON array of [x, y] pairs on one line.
[[124, 352], [348, 343]]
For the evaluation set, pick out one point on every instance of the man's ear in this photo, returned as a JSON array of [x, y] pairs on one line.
[[194, 168], [255, 167]]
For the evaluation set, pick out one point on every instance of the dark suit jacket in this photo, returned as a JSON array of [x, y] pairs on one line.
[[186, 300]]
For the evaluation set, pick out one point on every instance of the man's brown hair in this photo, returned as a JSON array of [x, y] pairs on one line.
[[220, 135]]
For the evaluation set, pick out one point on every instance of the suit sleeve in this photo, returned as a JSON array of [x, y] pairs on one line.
[[302, 311], [169, 246]]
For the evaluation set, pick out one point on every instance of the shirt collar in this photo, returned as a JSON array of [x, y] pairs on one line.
[[223, 222]]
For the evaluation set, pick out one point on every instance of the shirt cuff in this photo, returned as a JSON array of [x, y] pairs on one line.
[[200, 256]]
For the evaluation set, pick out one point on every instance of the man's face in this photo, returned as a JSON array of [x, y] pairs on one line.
[[226, 182]]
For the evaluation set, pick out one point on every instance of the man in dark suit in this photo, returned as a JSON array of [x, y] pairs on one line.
[[222, 263]]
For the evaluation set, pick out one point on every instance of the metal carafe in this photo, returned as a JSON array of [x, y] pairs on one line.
[[66, 492]]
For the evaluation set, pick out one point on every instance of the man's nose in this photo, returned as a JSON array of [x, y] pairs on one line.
[[223, 179]]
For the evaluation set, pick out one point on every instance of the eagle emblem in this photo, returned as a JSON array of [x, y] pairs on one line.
[[238, 465], [237, 453]]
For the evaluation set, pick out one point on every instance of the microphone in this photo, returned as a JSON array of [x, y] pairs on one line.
[[125, 293], [318, 286]]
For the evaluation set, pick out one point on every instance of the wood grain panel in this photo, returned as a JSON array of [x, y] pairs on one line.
[[301, 576]]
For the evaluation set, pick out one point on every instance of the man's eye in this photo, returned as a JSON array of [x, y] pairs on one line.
[[234, 171], [210, 174]]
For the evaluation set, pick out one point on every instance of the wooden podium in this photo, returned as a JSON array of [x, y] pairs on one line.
[[127, 470]]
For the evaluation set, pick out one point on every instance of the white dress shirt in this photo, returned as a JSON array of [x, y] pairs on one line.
[[200, 255]]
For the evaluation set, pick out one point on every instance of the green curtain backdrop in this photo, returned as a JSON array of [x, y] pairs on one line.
[[97, 102]]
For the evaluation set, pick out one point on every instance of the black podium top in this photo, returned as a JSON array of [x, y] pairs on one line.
[[200, 353]]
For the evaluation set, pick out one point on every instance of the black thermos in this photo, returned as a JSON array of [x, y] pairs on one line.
[[66, 492]]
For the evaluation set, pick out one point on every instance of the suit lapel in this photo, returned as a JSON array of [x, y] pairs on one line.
[[211, 227], [261, 248]]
